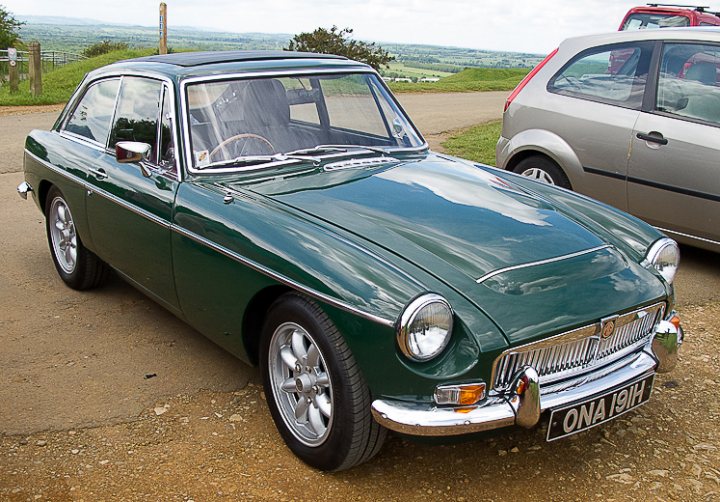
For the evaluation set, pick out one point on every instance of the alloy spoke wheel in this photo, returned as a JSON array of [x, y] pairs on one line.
[[301, 384], [539, 175], [63, 235]]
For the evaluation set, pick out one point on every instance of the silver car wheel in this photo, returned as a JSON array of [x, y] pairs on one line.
[[63, 235], [539, 175], [300, 383]]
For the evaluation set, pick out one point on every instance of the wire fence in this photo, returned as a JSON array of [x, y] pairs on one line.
[[50, 61]]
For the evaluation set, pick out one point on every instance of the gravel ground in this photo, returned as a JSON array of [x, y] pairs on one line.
[[222, 445]]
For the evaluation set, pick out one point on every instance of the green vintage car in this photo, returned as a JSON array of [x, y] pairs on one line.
[[285, 206]]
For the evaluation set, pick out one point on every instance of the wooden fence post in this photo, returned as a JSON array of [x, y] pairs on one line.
[[35, 69], [163, 28], [13, 70]]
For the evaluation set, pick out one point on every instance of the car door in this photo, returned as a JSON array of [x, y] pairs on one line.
[[593, 103], [674, 168], [130, 210]]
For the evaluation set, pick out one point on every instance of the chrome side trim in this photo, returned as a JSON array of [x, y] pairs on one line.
[[540, 262], [689, 236], [95, 190], [280, 278]]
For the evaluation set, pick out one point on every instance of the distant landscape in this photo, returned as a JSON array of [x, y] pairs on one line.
[[411, 60], [416, 68]]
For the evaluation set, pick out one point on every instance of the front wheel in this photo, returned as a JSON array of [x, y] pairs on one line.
[[78, 267], [542, 169], [315, 391]]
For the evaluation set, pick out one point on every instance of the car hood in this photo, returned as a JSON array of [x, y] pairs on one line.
[[461, 223]]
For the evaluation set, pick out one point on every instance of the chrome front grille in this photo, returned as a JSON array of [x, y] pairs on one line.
[[579, 350]]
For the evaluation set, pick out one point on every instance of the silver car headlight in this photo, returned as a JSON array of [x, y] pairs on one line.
[[425, 327], [664, 256]]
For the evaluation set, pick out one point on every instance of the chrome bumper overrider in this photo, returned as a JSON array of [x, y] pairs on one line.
[[24, 189], [526, 400]]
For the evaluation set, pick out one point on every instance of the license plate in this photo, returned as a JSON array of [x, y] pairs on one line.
[[582, 416]]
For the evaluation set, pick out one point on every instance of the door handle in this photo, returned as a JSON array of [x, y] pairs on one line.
[[653, 137], [99, 173]]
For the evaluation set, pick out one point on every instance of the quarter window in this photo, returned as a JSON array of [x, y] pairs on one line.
[[688, 82], [614, 75], [136, 118], [93, 114]]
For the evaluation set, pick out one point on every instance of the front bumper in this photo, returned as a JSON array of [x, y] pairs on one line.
[[524, 408]]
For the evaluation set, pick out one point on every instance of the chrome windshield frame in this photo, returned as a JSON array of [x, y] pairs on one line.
[[300, 72]]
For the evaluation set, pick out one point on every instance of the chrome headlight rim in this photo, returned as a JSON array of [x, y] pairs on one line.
[[655, 251], [409, 314]]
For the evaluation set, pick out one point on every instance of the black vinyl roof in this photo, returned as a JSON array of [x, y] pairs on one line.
[[203, 58]]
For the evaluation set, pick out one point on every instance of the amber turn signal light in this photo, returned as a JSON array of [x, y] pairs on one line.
[[461, 394]]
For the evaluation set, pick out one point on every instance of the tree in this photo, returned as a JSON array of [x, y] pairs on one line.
[[9, 36], [104, 47], [338, 42]]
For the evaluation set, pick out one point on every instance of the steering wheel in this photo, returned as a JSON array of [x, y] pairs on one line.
[[242, 137]]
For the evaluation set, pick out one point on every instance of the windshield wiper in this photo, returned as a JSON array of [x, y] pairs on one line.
[[261, 159], [338, 148]]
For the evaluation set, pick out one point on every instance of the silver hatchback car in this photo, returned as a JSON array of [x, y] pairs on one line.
[[631, 119]]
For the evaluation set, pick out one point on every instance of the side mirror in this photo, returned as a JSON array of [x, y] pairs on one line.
[[127, 152]]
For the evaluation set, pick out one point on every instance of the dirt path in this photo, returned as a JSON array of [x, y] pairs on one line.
[[82, 373]]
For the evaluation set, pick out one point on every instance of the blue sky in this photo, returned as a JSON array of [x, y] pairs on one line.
[[515, 25]]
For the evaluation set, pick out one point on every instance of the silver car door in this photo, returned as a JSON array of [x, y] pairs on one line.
[[674, 168]]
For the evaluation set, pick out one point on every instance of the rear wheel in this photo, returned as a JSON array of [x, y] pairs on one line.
[[542, 169], [315, 391], [78, 267]]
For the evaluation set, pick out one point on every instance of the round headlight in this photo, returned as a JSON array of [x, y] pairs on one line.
[[664, 256], [425, 327]]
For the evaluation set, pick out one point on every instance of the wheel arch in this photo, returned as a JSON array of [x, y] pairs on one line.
[[254, 318], [545, 143]]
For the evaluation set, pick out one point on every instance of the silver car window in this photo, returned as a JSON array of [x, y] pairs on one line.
[[614, 75], [688, 82]]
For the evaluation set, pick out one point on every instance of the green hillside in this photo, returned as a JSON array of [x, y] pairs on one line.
[[468, 80], [59, 84]]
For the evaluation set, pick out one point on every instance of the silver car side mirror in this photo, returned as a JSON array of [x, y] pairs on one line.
[[127, 152]]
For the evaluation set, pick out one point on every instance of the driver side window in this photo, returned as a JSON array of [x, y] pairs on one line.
[[136, 116]]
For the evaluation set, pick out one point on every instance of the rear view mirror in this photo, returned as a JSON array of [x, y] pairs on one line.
[[127, 152]]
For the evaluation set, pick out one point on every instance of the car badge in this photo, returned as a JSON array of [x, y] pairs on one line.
[[607, 327]]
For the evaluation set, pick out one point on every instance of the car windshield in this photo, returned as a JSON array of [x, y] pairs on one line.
[[650, 21], [251, 121]]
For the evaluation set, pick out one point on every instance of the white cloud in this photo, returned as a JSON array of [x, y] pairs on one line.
[[518, 25]]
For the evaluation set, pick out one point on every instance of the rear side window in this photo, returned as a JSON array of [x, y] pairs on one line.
[[688, 82], [93, 114], [611, 74]]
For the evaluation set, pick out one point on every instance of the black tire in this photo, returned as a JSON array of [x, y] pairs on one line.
[[542, 169], [351, 436], [84, 270]]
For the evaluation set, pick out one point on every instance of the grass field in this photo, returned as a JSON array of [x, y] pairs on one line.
[[408, 71], [476, 143], [59, 84], [469, 80]]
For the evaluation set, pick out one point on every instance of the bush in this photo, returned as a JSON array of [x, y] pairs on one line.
[[103, 48]]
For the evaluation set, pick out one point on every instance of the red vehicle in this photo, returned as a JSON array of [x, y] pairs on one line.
[[658, 15]]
